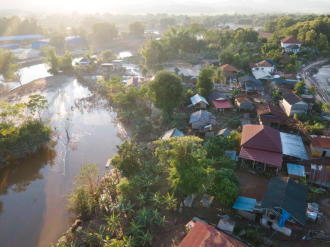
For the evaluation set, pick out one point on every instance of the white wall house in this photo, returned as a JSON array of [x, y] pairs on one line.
[[291, 44], [292, 104]]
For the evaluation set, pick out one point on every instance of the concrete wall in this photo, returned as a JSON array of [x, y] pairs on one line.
[[320, 151], [198, 125], [247, 215]]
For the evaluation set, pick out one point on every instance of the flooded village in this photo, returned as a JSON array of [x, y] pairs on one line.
[[182, 134]]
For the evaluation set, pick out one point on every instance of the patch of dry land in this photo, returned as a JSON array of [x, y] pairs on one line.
[[323, 77]]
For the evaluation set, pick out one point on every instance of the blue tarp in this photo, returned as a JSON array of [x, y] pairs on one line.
[[285, 217]]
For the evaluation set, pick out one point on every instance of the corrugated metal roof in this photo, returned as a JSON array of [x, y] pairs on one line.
[[285, 193], [297, 170], [73, 38], [21, 37], [222, 104], [9, 46], [293, 145], [224, 132], [266, 157], [245, 203], [291, 98], [172, 133], [203, 116], [198, 98], [261, 137]]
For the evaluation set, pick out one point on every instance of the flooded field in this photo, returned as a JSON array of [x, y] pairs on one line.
[[323, 77], [32, 190]]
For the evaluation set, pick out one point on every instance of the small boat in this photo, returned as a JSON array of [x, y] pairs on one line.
[[107, 165]]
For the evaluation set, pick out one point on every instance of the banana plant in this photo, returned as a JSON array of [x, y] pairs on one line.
[[144, 239], [113, 223], [143, 216], [129, 209], [160, 222], [134, 228], [156, 200], [169, 201], [141, 198]]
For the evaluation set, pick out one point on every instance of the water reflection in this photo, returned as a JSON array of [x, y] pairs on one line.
[[19, 174]]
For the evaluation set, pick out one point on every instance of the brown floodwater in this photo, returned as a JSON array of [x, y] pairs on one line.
[[32, 190]]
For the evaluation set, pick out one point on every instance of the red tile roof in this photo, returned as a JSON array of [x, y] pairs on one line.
[[261, 137], [262, 63], [267, 157], [241, 98], [222, 104], [203, 235], [271, 114], [290, 76], [228, 68], [290, 40], [320, 142]]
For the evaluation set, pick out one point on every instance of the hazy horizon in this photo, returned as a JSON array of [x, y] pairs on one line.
[[170, 6]]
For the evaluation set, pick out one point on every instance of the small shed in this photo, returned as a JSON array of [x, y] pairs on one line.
[[189, 200], [199, 101], [133, 82], [172, 133], [226, 226], [296, 171], [231, 154], [243, 102], [245, 207], [206, 200], [224, 133], [200, 119]]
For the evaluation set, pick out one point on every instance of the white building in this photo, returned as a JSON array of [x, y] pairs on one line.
[[291, 44]]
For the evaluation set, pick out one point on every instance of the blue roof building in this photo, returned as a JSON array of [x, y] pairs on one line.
[[40, 43], [73, 40], [9, 46], [21, 37]]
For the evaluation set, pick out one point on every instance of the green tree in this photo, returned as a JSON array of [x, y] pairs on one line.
[[323, 42], [65, 62], [104, 31], [226, 57], [166, 21], [299, 88], [37, 103], [235, 92], [136, 29], [57, 40], [326, 108], [128, 158], [225, 186], [107, 55], [311, 91], [165, 86], [204, 81], [81, 202], [153, 53], [276, 96], [51, 59], [144, 71], [88, 176], [186, 162]]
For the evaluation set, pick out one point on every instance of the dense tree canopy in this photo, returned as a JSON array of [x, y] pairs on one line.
[[136, 28], [104, 31], [204, 81], [167, 92]]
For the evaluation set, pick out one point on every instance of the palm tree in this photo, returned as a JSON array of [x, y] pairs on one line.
[[145, 239], [218, 76]]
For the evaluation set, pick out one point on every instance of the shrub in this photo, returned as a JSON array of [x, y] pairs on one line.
[[234, 123], [81, 201]]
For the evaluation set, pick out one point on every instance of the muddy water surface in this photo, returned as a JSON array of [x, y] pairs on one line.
[[32, 190]]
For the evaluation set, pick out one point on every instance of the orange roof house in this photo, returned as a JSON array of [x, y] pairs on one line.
[[202, 235], [229, 71], [290, 40]]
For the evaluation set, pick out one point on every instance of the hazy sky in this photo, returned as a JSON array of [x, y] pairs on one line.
[[169, 6]]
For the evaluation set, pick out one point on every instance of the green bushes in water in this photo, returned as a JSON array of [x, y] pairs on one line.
[[20, 133], [18, 141]]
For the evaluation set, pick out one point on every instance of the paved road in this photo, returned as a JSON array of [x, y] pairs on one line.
[[321, 94]]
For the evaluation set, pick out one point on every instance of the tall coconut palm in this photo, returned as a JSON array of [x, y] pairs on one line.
[[218, 76]]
